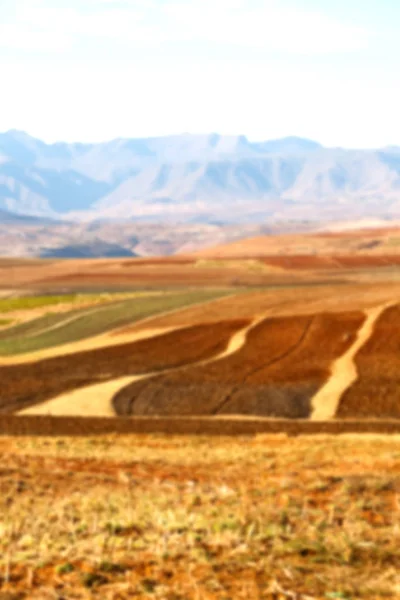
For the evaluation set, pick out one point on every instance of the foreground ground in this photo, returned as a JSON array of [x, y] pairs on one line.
[[200, 518]]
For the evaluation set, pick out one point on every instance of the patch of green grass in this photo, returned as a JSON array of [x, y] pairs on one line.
[[6, 322], [64, 568], [31, 302], [35, 326], [49, 331], [42, 301]]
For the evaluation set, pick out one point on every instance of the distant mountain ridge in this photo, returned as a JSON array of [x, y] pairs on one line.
[[196, 179]]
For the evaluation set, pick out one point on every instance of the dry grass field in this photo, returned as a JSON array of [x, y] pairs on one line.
[[183, 518]]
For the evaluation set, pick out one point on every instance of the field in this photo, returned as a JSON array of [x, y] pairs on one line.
[[203, 427], [294, 350], [274, 374], [376, 393], [55, 329], [30, 383], [174, 518]]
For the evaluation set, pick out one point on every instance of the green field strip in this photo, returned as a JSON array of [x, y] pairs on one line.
[[96, 322], [40, 324], [32, 302]]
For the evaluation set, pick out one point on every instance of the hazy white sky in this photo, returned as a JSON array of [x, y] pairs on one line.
[[91, 70]]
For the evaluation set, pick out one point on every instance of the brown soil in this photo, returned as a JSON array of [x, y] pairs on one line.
[[343, 370], [311, 262], [310, 257], [72, 275], [96, 400], [301, 300], [27, 384], [227, 425], [376, 393], [283, 363], [362, 241]]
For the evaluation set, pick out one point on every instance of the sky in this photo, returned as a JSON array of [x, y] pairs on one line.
[[93, 70]]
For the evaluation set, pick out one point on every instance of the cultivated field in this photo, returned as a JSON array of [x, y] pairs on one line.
[[32, 382], [57, 329], [306, 349], [376, 392], [120, 356], [275, 374]]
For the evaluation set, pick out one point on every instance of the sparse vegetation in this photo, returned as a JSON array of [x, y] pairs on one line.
[[137, 516], [40, 301]]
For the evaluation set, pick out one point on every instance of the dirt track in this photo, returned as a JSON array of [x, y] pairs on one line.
[[344, 372], [90, 401]]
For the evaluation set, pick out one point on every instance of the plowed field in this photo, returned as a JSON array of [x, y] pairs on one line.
[[276, 373], [24, 385], [376, 393], [295, 300]]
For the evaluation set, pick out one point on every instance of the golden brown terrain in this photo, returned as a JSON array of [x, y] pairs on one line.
[[267, 517], [287, 327], [259, 351], [294, 346], [279, 259]]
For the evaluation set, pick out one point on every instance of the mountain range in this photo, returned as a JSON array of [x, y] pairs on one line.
[[194, 179]]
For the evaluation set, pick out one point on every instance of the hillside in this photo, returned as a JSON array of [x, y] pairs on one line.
[[379, 241], [22, 236], [214, 178]]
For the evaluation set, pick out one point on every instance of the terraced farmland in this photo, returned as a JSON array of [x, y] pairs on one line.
[[276, 373], [56, 329], [28, 384], [376, 393], [296, 352]]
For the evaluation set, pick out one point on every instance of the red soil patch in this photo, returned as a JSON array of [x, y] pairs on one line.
[[25, 385], [376, 393], [283, 363], [167, 276], [337, 261], [301, 262]]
